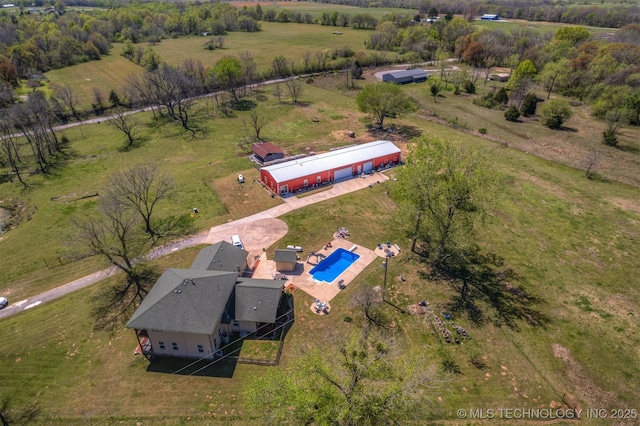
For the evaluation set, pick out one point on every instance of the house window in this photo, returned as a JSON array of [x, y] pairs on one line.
[[319, 179], [174, 345], [306, 182], [200, 348], [236, 323], [161, 344], [266, 180]]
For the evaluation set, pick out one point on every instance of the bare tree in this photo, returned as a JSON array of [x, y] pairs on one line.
[[249, 69], [197, 71], [35, 120], [10, 150], [369, 298], [141, 188], [116, 235], [98, 98], [591, 163], [306, 61], [277, 91], [175, 91], [295, 89], [68, 98], [257, 122], [138, 92], [128, 124]]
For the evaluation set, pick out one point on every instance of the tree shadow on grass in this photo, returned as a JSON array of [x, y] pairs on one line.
[[629, 148], [408, 132], [487, 290], [243, 105], [137, 143]]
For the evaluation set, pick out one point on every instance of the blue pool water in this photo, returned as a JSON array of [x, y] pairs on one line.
[[335, 264]]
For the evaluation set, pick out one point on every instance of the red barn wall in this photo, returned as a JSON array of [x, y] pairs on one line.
[[325, 176]]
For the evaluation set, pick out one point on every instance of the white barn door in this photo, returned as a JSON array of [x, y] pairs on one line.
[[343, 173]]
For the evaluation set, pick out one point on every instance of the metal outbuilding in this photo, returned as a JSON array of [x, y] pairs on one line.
[[415, 75], [316, 170]]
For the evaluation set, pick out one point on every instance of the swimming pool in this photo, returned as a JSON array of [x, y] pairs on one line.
[[335, 264]]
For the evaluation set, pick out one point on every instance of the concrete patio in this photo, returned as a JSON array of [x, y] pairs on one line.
[[301, 278]]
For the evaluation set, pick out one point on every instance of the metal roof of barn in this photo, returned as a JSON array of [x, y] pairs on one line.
[[265, 148], [413, 73], [331, 160]]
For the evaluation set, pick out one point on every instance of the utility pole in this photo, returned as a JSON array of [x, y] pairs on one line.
[[384, 287]]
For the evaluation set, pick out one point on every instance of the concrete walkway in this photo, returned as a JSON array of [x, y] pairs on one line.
[[258, 231]]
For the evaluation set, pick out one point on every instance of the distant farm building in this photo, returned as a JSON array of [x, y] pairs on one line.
[[499, 76], [266, 151], [490, 17], [416, 75], [316, 170]]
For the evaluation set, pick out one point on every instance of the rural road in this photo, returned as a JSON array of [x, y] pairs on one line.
[[254, 239]]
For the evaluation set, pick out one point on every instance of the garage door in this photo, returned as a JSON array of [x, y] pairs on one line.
[[368, 166], [342, 173]]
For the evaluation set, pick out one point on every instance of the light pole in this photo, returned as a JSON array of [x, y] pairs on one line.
[[385, 264]]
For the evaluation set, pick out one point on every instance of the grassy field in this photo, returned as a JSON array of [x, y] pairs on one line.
[[110, 72], [573, 247], [573, 145], [518, 25], [316, 9], [196, 164], [290, 40], [574, 242]]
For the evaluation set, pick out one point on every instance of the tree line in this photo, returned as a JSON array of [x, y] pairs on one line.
[[568, 12]]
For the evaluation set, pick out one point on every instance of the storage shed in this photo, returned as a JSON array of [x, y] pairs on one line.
[[415, 75], [317, 170], [266, 151], [285, 260]]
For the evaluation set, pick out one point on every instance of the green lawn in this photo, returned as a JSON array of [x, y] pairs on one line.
[[515, 25], [109, 73], [573, 248], [196, 164], [290, 40], [574, 242]]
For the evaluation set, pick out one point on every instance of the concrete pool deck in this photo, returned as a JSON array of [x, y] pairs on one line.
[[301, 278]]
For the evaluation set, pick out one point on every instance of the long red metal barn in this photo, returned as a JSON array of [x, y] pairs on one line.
[[317, 170]]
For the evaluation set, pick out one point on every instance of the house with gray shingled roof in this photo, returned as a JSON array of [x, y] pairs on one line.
[[189, 312]]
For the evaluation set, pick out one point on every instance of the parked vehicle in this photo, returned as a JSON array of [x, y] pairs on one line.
[[3, 302], [235, 240], [240, 178]]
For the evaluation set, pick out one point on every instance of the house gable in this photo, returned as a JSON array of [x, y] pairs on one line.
[[222, 256], [257, 300], [185, 301]]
